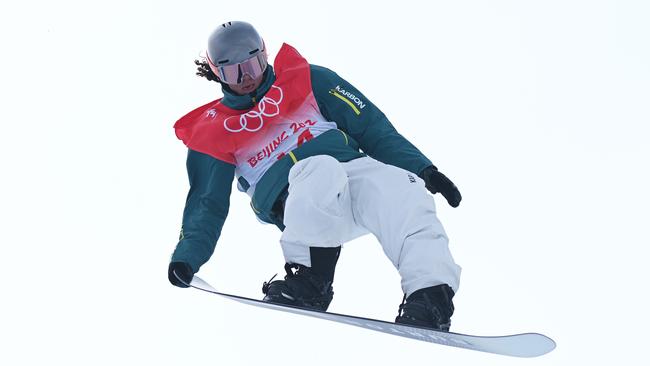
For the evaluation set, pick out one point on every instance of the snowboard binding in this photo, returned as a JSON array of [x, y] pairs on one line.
[[302, 288], [429, 307]]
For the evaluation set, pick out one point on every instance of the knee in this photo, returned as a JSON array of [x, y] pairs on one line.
[[317, 188], [317, 169]]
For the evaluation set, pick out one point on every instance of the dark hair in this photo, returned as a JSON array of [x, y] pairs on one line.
[[203, 70]]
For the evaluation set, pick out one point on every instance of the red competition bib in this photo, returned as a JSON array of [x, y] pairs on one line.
[[254, 139]]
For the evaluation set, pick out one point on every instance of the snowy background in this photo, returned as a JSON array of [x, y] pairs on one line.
[[538, 110]]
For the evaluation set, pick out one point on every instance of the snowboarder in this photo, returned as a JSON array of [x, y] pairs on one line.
[[320, 162]]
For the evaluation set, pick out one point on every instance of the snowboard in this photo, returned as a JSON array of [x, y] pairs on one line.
[[517, 345]]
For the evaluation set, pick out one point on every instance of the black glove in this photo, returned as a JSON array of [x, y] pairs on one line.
[[183, 270], [437, 182]]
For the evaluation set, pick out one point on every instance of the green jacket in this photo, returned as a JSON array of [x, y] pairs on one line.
[[361, 126]]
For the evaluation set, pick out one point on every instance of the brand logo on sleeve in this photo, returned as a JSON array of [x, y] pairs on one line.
[[352, 100]]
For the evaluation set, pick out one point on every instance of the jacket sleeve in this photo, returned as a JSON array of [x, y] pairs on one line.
[[206, 208], [354, 114]]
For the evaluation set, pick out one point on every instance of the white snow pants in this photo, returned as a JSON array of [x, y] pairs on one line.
[[331, 203]]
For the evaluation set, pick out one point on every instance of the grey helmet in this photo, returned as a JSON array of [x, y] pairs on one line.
[[234, 43]]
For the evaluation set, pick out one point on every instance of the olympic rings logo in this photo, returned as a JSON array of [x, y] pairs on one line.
[[253, 120]]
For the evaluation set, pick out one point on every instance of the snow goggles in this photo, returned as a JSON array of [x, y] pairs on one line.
[[234, 74]]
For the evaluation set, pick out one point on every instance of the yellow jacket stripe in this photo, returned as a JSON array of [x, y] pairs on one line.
[[354, 107]]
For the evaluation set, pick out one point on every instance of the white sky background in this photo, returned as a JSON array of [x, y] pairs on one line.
[[537, 110]]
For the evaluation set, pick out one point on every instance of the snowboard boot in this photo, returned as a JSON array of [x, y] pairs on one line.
[[429, 307], [306, 287], [302, 288]]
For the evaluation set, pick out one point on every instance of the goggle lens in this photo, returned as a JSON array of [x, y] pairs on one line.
[[234, 74]]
